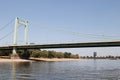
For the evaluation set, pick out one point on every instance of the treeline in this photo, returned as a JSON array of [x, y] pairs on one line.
[[40, 54], [100, 57], [52, 54]]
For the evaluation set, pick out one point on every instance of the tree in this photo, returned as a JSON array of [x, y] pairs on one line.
[[67, 55], [44, 54], [75, 56], [24, 54], [59, 55], [5, 52], [51, 54], [35, 53]]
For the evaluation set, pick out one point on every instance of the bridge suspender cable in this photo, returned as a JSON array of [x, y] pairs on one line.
[[2, 38], [3, 27], [81, 34], [6, 35]]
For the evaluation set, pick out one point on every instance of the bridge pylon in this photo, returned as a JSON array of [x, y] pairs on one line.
[[25, 24]]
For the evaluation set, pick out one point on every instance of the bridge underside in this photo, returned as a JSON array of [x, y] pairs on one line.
[[64, 45]]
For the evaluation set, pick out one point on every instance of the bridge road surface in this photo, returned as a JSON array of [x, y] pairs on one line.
[[63, 45]]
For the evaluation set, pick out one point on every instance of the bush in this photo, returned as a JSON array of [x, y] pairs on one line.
[[35, 54], [23, 54], [59, 55], [51, 54], [67, 55]]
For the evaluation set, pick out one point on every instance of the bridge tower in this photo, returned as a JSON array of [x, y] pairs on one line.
[[25, 24]]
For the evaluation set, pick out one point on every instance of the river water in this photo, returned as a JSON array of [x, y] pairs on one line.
[[66, 70]]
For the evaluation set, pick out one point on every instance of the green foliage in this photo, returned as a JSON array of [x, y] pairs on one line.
[[35, 53], [74, 56], [67, 55], [43, 54], [5, 52], [52, 54], [60, 55], [24, 54]]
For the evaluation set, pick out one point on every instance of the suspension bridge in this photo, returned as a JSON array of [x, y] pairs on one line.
[[26, 46]]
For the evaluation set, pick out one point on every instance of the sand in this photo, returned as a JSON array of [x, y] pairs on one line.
[[53, 59], [14, 60], [36, 59]]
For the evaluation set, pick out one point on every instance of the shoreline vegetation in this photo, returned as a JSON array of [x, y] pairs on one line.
[[100, 57], [44, 55], [38, 55], [52, 54]]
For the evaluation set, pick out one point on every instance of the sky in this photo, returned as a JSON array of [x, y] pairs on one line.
[[63, 21]]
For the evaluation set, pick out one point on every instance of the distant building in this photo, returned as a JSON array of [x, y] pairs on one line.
[[94, 54]]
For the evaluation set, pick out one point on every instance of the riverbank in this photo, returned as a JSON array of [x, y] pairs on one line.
[[36, 59], [14, 60], [53, 59]]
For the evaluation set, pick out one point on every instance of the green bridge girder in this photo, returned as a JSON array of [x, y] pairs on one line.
[[63, 45]]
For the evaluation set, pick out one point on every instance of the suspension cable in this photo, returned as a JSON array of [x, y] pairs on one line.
[[8, 34], [3, 27], [79, 34]]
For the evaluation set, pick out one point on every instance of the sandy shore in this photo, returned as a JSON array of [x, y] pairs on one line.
[[14, 60], [53, 59], [35, 59]]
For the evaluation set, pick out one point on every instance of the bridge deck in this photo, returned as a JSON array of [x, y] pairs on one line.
[[63, 45]]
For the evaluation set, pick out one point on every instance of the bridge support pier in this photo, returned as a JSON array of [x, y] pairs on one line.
[[14, 54], [24, 23], [26, 54]]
